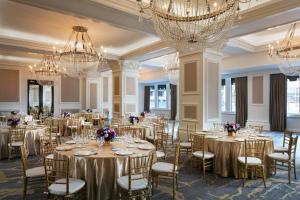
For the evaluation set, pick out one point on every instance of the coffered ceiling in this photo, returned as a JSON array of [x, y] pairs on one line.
[[30, 28]]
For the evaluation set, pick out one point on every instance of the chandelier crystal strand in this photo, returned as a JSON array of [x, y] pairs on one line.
[[287, 53], [79, 53], [189, 25], [47, 70], [172, 68]]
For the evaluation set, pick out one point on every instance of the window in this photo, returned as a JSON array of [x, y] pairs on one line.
[[152, 97], [233, 96], [293, 96], [162, 96], [223, 96]]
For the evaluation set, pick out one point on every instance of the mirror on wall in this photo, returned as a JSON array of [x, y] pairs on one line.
[[40, 99]]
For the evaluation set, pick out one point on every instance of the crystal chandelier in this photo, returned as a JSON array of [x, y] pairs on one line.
[[287, 53], [47, 70], [189, 25], [79, 52], [172, 68]]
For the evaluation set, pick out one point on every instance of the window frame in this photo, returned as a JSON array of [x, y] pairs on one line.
[[168, 96]]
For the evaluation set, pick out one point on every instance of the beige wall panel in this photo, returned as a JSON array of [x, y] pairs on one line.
[[9, 85], [212, 90], [105, 89], [116, 85], [93, 95], [116, 107], [190, 77], [190, 112], [258, 90], [130, 86], [70, 89]]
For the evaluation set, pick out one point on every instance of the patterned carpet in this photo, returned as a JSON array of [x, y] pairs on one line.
[[191, 184]]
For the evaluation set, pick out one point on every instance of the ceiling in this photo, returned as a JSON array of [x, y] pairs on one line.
[[37, 25]]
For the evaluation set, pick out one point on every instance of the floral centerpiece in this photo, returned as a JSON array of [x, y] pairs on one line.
[[143, 114], [13, 120], [133, 119], [66, 114], [107, 134], [231, 128], [89, 110]]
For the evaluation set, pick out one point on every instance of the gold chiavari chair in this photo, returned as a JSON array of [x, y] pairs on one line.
[[286, 160], [16, 140], [163, 169], [285, 144], [30, 175], [162, 146], [156, 136], [257, 128], [46, 145], [253, 159], [137, 183], [199, 153], [125, 129], [184, 138], [73, 125], [59, 183]]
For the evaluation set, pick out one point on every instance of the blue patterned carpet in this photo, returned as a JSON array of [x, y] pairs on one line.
[[191, 184]]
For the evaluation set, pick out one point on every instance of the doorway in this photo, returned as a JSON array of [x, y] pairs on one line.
[[40, 99]]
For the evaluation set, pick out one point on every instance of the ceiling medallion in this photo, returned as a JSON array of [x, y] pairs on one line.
[[286, 53], [47, 70], [189, 25], [79, 53]]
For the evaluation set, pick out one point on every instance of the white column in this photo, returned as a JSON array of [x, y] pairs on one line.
[[200, 88]]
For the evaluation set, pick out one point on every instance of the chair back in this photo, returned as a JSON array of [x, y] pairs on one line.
[[24, 160], [16, 134], [57, 169], [287, 135], [46, 146], [254, 148], [292, 147], [125, 129], [176, 158], [198, 143], [139, 168], [257, 128]]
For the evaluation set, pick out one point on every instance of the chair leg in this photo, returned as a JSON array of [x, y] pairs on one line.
[[295, 173], [264, 176], [289, 172], [25, 188], [203, 168], [176, 181], [275, 166], [174, 187], [245, 175]]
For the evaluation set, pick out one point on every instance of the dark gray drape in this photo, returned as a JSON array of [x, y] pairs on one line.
[[241, 88], [147, 99], [173, 101], [278, 101]]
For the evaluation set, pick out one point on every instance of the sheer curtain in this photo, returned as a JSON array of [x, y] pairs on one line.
[[241, 87], [278, 102]]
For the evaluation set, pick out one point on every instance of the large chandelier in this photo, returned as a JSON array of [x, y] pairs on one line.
[[47, 70], [172, 68], [79, 52], [287, 53], [189, 25]]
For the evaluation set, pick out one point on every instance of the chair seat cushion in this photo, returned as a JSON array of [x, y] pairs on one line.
[[281, 149], [16, 144], [207, 155], [59, 187], [185, 144], [250, 160], [50, 156], [35, 172], [138, 184], [160, 154], [163, 167], [279, 156]]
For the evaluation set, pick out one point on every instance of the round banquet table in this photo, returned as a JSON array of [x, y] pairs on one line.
[[227, 149], [31, 139], [102, 170]]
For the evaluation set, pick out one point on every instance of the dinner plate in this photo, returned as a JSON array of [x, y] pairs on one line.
[[84, 153], [131, 146], [145, 147], [64, 148], [70, 142], [116, 149], [211, 137], [124, 153], [139, 141]]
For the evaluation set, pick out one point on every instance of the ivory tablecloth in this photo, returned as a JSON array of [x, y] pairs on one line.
[[32, 137], [226, 150], [100, 171]]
